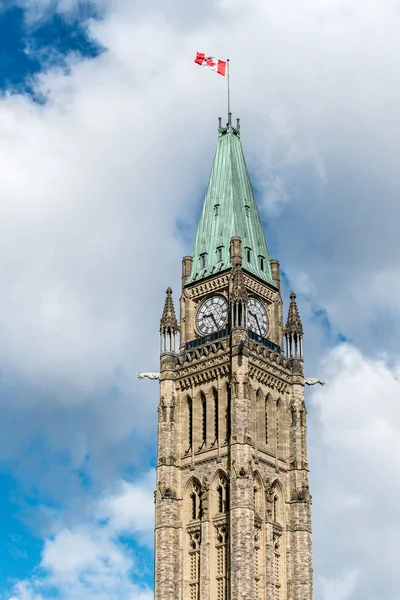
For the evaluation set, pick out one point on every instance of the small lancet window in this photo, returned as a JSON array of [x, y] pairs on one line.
[[248, 254], [220, 499], [247, 209], [216, 209], [275, 514], [193, 499], [203, 258], [261, 263], [219, 254], [203, 420], [222, 496]]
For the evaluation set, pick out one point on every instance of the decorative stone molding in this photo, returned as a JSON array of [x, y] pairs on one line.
[[268, 379], [261, 290], [199, 378], [270, 356], [209, 286]]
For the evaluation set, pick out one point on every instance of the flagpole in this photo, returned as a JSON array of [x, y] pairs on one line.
[[229, 92]]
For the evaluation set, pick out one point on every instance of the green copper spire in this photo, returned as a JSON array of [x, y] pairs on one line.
[[229, 209]]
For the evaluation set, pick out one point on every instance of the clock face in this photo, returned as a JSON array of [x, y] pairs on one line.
[[212, 315], [257, 318]]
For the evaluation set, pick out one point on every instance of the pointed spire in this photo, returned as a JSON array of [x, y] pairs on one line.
[[168, 323], [229, 210], [293, 324], [294, 330]]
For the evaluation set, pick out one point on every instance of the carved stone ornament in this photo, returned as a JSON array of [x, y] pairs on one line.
[[167, 493], [149, 376], [194, 539], [204, 496], [242, 343], [277, 541], [302, 495], [313, 381], [221, 533], [243, 472], [163, 409], [238, 291]]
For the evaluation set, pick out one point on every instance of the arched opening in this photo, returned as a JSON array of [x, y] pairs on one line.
[[259, 416], [189, 404], [193, 503], [228, 413], [203, 403], [222, 495], [278, 427], [216, 415], [267, 410]]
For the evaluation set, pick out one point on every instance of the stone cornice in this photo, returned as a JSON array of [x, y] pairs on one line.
[[261, 289], [210, 285]]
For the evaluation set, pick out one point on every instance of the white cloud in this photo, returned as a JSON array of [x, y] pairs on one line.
[[340, 589], [89, 234], [357, 460], [87, 560], [92, 185]]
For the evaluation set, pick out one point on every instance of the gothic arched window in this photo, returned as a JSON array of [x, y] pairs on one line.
[[190, 423], [228, 413], [203, 420], [267, 423], [278, 424], [223, 495], [195, 502], [216, 415], [259, 416]]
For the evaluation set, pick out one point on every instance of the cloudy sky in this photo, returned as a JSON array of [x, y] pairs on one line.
[[107, 134]]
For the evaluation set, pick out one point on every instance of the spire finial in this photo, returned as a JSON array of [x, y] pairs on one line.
[[294, 330], [293, 324], [168, 325], [168, 322]]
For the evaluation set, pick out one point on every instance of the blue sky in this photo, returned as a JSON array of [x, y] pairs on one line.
[[26, 49], [107, 134]]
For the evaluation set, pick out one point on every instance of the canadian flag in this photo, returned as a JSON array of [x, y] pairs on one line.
[[211, 63]]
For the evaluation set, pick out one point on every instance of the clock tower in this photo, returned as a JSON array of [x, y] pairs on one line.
[[233, 518]]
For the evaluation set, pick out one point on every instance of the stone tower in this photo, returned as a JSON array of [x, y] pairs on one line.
[[233, 519]]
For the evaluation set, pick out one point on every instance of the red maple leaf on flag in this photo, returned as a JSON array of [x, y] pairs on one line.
[[210, 62]]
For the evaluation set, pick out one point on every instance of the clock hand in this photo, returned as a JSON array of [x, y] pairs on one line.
[[258, 324], [213, 318], [255, 317]]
